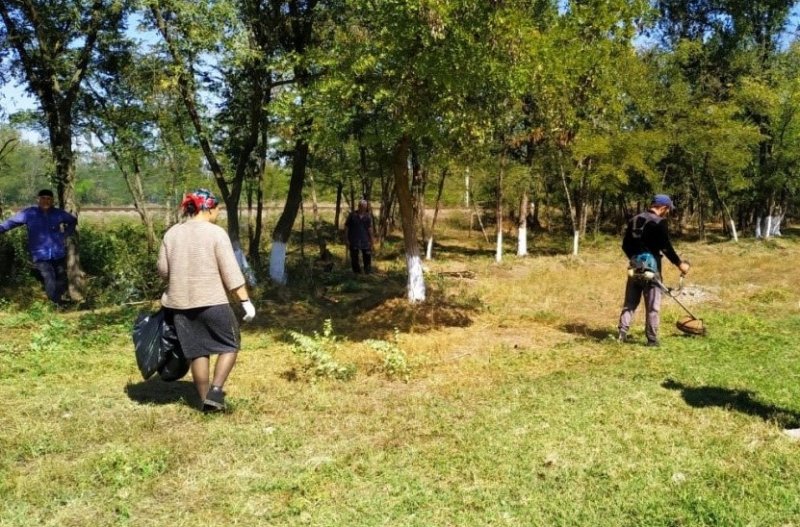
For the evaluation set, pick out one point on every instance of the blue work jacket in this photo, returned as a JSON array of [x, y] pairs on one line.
[[46, 236]]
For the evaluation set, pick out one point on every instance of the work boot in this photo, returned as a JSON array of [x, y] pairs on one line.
[[215, 400], [653, 344]]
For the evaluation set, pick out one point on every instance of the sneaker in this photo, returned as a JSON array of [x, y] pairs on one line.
[[653, 343], [215, 400], [792, 433]]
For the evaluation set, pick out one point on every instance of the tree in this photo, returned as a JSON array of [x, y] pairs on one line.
[[53, 46], [581, 98], [420, 71]]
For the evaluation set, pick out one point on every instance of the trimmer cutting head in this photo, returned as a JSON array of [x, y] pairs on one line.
[[691, 326]]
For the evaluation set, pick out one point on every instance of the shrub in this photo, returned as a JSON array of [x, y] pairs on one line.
[[15, 267], [395, 364], [120, 266], [318, 351]]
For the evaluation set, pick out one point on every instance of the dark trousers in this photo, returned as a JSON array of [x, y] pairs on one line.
[[53, 274], [366, 254], [635, 290]]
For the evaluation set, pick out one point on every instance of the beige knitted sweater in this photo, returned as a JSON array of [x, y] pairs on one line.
[[197, 259]]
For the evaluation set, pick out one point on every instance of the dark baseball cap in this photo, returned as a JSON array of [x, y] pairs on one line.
[[662, 200], [45, 193]]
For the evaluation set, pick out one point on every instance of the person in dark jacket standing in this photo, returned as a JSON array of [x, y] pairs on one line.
[[359, 237], [646, 240], [48, 228]]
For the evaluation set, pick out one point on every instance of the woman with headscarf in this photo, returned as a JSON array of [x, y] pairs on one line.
[[197, 260]]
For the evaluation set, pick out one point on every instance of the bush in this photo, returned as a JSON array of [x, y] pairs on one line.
[[318, 351], [15, 267], [119, 264]]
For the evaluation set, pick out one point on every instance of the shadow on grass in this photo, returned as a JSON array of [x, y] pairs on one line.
[[155, 391], [582, 330], [743, 401]]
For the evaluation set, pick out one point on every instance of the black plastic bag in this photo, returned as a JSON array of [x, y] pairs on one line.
[[147, 331], [175, 365]]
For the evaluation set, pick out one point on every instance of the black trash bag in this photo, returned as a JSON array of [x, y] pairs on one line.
[[147, 331], [175, 365]]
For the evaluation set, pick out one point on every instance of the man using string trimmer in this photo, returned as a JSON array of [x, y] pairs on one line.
[[646, 239]]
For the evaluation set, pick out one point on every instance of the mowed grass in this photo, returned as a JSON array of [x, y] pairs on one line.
[[520, 408]]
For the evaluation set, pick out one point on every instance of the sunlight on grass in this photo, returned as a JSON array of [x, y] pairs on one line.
[[513, 405]]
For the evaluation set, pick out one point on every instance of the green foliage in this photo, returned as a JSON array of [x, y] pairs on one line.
[[24, 168], [395, 363], [27, 318], [318, 351], [119, 264], [50, 337], [15, 267]]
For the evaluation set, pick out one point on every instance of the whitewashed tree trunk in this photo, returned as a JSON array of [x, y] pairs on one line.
[[733, 230], [768, 227], [429, 248], [522, 226], [499, 252], [498, 256], [576, 238], [277, 263], [776, 225], [758, 227], [416, 279]]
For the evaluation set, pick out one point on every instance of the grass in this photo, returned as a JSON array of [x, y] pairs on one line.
[[518, 407]]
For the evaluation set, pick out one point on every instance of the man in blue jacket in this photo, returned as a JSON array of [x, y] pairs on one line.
[[48, 228]]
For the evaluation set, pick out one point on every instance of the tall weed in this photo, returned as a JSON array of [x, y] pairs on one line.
[[395, 363], [318, 351]]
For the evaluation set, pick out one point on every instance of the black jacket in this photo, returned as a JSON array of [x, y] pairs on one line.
[[647, 232]]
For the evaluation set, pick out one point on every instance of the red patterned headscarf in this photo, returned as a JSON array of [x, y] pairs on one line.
[[200, 199]]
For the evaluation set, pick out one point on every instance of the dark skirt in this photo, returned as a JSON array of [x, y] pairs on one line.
[[204, 331]]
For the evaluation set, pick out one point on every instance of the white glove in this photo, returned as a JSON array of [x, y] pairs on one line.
[[249, 311]]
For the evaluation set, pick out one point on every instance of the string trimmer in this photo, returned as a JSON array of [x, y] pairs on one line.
[[690, 325]]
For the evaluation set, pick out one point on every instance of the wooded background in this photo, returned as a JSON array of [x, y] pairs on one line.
[[518, 107]]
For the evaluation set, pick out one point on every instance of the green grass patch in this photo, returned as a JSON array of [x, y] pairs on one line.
[[522, 411]]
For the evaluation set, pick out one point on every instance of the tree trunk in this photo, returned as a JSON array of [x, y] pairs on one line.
[[254, 232], [466, 188], [429, 250], [416, 280], [522, 225], [418, 190], [598, 218], [498, 256], [134, 183], [283, 228], [338, 213], [388, 196], [324, 254], [576, 233], [61, 146]]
